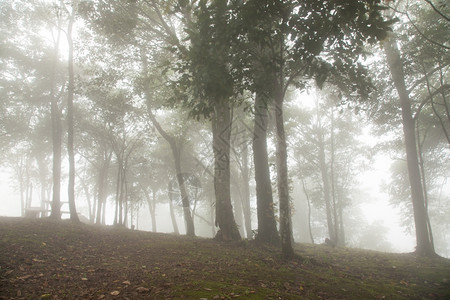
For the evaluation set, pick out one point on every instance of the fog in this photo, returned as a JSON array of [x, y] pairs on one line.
[[213, 122]]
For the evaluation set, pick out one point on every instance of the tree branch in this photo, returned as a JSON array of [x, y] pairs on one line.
[[437, 10]]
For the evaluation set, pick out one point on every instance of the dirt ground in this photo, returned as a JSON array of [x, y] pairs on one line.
[[44, 259]]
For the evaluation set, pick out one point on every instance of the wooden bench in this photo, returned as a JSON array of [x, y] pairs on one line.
[[35, 212], [39, 212]]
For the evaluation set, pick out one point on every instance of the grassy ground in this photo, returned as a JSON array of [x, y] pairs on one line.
[[43, 259]]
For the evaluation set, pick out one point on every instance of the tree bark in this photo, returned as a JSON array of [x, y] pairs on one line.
[[70, 126], [308, 200], [424, 246], [56, 135], [282, 181], [221, 128], [267, 226], [246, 192], [172, 216], [152, 206], [176, 152], [102, 184], [326, 188]]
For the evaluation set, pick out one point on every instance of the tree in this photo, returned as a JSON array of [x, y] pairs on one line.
[[423, 230], [328, 156], [298, 36], [174, 143], [206, 64], [267, 227], [70, 122], [38, 59]]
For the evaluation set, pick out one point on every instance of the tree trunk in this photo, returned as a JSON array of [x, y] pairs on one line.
[[333, 182], [172, 216], [246, 192], [21, 178], [237, 206], [341, 232], [267, 226], [424, 181], [56, 134], [190, 229], [56, 145], [118, 183], [102, 185], [308, 200], [326, 188], [42, 166], [70, 126], [282, 181], [153, 211], [221, 128], [424, 246]]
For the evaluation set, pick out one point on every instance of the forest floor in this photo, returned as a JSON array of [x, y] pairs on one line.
[[43, 259]]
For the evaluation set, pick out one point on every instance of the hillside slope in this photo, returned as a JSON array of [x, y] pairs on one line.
[[60, 260]]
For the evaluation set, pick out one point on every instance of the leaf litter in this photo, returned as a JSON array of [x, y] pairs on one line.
[[119, 263]]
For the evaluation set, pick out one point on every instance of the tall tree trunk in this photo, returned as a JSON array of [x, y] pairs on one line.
[[29, 192], [326, 188], [341, 232], [282, 181], [237, 206], [151, 205], [221, 128], [87, 194], [102, 184], [308, 200], [153, 210], [333, 182], [267, 226], [189, 222], [172, 216], [56, 145], [42, 166], [118, 183], [56, 133], [246, 192], [20, 176], [176, 152], [424, 246], [70, 126], [424, 180]]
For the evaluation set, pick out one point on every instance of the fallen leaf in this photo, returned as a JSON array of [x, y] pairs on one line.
[[24, 277], [84, 278], [208, 289], [115, 293], [142, 289], [127, 282], [45, 296]]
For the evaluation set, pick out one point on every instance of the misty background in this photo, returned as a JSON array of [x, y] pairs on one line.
[[133, 99]]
